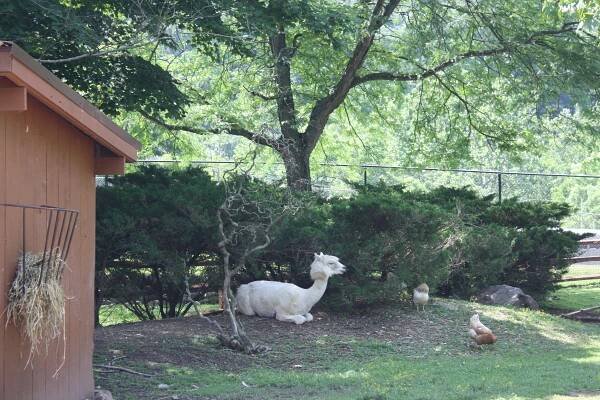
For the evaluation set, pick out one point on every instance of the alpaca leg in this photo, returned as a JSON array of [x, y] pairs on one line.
[[308, 317], [297, 319]]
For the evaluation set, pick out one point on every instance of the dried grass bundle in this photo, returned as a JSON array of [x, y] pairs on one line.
[[36, 300]]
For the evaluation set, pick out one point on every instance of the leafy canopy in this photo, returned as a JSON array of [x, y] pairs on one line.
[[437, 77]]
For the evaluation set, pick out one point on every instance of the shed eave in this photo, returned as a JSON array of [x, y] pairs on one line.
[[23, 70]]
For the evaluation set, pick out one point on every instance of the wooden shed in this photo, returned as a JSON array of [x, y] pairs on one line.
[[52, 144]]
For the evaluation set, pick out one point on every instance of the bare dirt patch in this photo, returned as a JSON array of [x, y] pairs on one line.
[[182, 341]]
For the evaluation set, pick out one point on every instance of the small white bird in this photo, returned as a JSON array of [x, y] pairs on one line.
[[421, 295]]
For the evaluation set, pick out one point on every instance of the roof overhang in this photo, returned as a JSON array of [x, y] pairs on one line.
[[25, 71]]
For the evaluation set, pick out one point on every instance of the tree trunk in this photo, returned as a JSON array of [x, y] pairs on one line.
[[238, 339], [297, 167]]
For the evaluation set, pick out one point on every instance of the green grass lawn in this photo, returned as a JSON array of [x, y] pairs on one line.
[[575, 295], [113, 314], [389, 353]]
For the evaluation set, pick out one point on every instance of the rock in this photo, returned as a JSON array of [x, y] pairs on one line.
[[506, 296], [102, 394], [163, 386]]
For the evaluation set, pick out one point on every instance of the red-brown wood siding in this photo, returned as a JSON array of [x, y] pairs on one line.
[[46, 161]]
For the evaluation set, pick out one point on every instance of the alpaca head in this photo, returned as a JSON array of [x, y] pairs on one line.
[[325, 266]]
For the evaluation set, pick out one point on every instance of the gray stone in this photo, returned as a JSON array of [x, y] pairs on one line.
[[507, 296], [102, 394]]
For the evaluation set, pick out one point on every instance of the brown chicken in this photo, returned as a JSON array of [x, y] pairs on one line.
[[480, 333]]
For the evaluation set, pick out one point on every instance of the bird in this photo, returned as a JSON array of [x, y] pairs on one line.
[[480, 333], [421, 295]]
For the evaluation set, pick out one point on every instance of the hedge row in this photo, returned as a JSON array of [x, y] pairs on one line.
[[157, 225]]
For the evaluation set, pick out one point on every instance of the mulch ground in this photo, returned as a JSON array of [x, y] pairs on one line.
[[185, 341]]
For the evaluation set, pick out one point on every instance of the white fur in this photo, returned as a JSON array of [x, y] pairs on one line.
[[285, 301]]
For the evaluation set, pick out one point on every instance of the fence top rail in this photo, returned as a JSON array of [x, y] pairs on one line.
[[379, 166]]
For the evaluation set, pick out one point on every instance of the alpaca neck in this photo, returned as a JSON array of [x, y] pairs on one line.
[[316, 291]]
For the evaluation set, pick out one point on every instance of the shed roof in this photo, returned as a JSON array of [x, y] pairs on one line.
[[24, 70]]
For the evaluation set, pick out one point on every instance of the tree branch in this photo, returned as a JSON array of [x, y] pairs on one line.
[[389, 76], [99, 53], [326, 105], [123, 369], [230, 130], [467, 106], [533, 39], [260, 95]]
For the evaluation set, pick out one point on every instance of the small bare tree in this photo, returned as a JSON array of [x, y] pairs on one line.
[[246, 219]]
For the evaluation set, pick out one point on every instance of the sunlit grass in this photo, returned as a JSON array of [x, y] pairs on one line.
[[112, 314], [575, 295], [582, 270]]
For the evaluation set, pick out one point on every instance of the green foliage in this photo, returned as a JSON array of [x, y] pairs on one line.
[[518, 214], [514, 242], [540, 247], [507, 100], [208, 65], [453, 239], [389, 240], [155, 227], [479, 259], [102, 46], [542, 255], [392, 240]]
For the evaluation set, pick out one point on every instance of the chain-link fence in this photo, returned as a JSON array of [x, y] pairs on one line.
[[580, 191]]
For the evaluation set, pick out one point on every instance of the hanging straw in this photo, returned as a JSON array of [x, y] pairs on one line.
[[36, 300]]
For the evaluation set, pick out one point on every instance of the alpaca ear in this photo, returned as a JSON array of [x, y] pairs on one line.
[[321, 254], [316, 255]]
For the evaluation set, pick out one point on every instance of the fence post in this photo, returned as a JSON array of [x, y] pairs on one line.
[[365, 177], [499, 188]]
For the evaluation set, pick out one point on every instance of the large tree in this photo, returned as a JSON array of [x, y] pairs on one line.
[[275, 72], [477, 69]]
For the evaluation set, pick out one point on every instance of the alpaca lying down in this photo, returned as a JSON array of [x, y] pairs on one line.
[[286, 301]]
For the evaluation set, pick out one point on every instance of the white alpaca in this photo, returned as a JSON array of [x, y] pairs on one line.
[[285, 301]]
